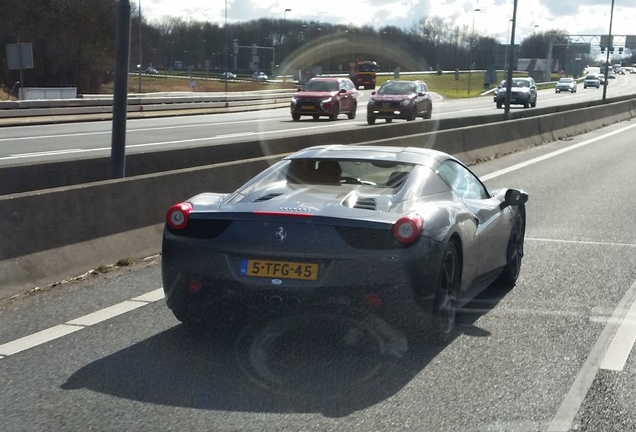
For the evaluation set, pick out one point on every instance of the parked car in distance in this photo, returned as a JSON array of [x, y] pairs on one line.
[[406, 100], [260, 76], [566, 84], [592, 80], [523, 92], [150, 70], [228, 75], [325, 97]]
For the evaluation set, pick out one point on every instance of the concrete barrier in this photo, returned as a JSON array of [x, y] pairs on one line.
[[53, 234]]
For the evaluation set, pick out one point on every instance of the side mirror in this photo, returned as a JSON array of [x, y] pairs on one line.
[[514, 197], [342, 91], [372, 93]]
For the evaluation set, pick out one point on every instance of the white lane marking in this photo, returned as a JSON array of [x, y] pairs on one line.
[[150, 297], [155, 144], [80, 323], [622, 344], [564, 417], [36, 339], [554, 153], [106, 313], [581, 242]]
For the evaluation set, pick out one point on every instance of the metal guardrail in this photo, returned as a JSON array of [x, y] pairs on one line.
[[157, 102]]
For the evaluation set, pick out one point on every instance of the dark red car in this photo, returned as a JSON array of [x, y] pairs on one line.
[[328, 97], [400, 100]]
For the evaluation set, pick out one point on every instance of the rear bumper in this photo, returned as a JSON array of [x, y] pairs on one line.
[[196, 279]]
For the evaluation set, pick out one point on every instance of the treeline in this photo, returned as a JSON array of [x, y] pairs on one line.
[[73, 44]]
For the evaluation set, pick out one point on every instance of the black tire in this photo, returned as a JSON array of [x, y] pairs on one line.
[[389, 120], [370, 120], [334, 113], [352, 114], [413, 115], [429, 113], [444, 313], [295, 117], [316, 116], [526, 104], [514, 253], [533, 104], [499, 104]]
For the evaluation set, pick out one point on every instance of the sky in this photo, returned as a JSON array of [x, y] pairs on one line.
[[490, 17]]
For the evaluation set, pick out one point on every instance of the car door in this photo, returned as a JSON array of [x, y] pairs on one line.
[[492, 224], [424, 101], [346, 103]]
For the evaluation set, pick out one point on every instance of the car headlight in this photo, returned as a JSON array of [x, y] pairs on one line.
[[326, 102], [406, 102]]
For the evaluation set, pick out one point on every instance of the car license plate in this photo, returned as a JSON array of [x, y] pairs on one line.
[[386, 110], [307, 107], [279, 269]]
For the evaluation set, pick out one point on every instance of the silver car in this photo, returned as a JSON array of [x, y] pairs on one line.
[[591, 80], [566, 84]]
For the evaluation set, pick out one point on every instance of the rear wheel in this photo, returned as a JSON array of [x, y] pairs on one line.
[[334, 113], [429, 113], [444, 312], [514, 253], [499, 104], [295, 117], [352, 114], [389, 120], [316, 117]]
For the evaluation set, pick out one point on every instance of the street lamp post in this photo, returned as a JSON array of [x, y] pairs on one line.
[[140, 64], [609, 47], [282, 57], [470, 53], [507, 45], [510, 58], [225, 50]]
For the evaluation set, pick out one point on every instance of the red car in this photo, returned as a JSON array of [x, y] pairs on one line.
[[328, 97], [400, 100]]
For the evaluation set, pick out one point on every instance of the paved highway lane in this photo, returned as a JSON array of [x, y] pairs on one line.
[[30, 144], [553, 353]]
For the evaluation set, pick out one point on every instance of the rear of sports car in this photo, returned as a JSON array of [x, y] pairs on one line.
[[278, 257]]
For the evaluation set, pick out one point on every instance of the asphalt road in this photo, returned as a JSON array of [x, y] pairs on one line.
[[74, 141], [104, 354]]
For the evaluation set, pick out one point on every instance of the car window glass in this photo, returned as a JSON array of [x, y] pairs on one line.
[[462, 181]]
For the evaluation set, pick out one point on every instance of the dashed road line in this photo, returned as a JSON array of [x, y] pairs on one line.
[[58, 331], [562, 420]]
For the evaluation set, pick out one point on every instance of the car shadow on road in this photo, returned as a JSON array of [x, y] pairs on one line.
[[311, 362]]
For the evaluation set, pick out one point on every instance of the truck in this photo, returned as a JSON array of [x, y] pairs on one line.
[[363, 73]]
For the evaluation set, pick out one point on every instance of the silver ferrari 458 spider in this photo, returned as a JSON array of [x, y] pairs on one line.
[[398, 232]]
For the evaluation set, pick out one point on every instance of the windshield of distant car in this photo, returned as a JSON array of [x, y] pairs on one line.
[[322, 86], [520, 83], [566, 80], [397, 88]]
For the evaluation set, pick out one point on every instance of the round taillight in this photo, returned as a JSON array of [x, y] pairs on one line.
[[408, 228], [178, 215]]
